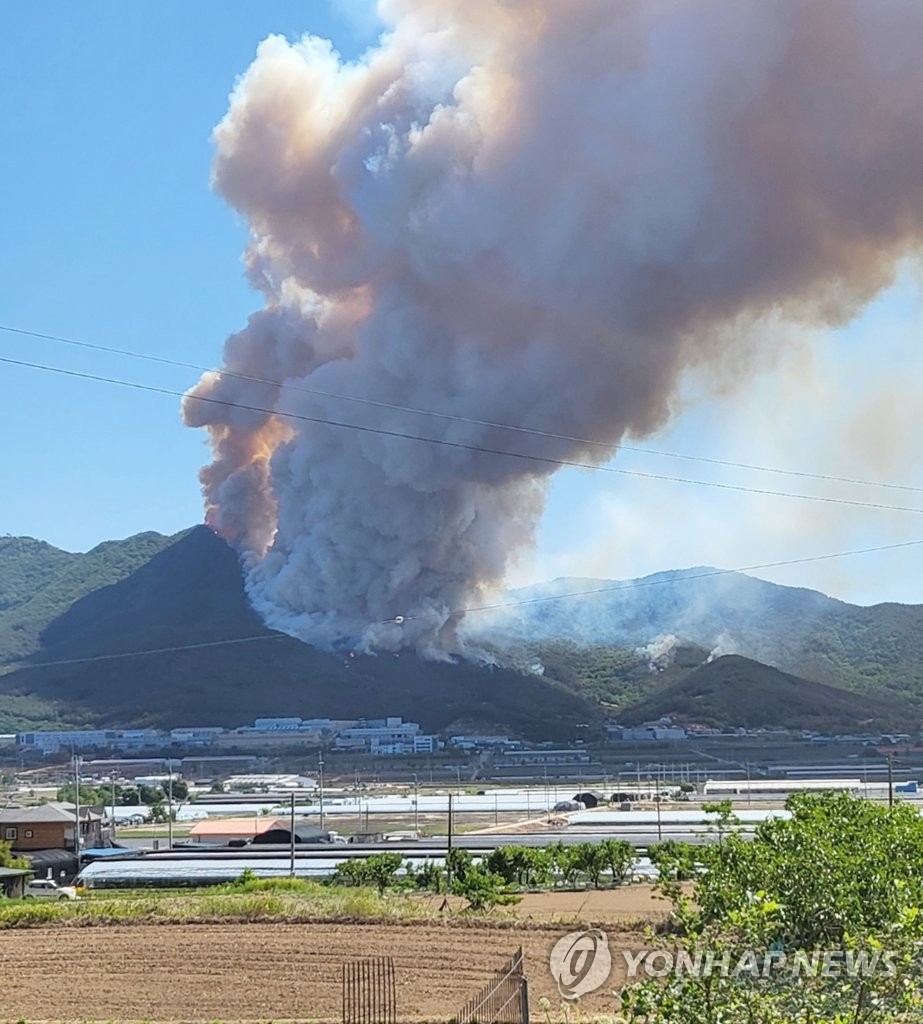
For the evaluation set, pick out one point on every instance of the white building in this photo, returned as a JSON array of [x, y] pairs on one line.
[[51, 741], [386, 736], [196, 736]]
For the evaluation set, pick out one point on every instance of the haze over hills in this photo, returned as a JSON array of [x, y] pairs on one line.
[[575, 660], [796, 630]]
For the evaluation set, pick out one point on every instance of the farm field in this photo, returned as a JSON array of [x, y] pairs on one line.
[[265, 971]]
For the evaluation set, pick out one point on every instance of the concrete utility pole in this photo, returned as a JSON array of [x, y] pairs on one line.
[[291, 838], [416, 804], [77, 808], [320, 772], [169, 805], [448, 850], [890, 780]]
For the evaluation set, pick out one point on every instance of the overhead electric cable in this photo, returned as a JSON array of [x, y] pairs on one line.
[[638, 584], [460, 445], [455, 417], [627, 585]]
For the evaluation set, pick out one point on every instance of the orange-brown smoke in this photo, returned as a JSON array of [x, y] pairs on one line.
[[535, 212]]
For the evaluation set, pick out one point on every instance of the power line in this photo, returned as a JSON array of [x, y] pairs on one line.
[[638, 584], [627, 585], [460, 445], [156, 650], [455, 417]]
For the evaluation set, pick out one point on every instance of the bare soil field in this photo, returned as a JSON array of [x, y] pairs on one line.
[[627, 906], [261, 972]]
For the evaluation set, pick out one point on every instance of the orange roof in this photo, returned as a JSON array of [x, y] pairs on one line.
[[234, 826]]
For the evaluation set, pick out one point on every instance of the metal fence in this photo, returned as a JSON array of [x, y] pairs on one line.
[[504, 1000], [369, 991]]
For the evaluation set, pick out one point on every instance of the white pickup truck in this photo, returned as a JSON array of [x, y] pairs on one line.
[[48, 889]]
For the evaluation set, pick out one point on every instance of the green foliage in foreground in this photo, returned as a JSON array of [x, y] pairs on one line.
[[842, 877], [7, 860]]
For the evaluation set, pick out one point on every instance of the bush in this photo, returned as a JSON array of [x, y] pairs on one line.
[[482, 889]]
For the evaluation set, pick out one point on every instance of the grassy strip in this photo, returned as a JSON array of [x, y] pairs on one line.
[[291, 900], [280, 900]]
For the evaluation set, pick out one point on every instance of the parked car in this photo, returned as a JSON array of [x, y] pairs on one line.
[[48, 889]]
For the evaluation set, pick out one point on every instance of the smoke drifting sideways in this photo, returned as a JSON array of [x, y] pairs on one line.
[[536, 213]]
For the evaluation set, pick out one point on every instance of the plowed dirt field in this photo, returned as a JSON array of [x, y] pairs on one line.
[[261, 972]]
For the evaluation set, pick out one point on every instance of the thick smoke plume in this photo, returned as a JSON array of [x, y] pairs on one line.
[[531, 212]]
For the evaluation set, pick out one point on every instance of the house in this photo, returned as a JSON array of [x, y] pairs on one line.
[[221, 831], [13, 882], [49, 827]]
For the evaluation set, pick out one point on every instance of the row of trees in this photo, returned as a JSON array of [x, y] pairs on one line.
[[496, 878], [125, 796]]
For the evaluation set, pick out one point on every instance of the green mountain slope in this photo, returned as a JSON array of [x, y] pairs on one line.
[[153, 593], [735, 691], [873, 649], [39, 582], [191, 592]]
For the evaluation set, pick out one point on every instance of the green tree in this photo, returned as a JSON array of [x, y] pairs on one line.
[[565, 863], [351, 872], [458, 863], [379, 870], [430, 876], [382, 869], [619, 858], [675, 862], [839, 878], [591, 861], [180, 790], [150, 794], [89, 795], [482, 889], [7, 858]]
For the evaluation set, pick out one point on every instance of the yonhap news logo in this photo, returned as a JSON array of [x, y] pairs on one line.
[[580, 962]]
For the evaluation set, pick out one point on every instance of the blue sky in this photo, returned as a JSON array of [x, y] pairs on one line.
[[111, 235]]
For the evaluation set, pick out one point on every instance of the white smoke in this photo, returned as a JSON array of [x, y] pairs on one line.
[[724, 644], [660, 652], [533, 212]]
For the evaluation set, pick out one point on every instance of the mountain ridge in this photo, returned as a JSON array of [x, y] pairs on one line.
[[578, 662]]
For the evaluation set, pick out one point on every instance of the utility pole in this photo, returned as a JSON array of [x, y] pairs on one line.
[[416, 804], [448, 850], [169, 805], [77, 808], [659, 828], [291, 838], [112, 816], [890, 780], [320, 770]]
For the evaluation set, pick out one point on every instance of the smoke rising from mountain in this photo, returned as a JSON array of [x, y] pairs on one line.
[[533, 212]]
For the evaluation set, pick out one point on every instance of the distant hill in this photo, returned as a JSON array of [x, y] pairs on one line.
[[152, 592], [875, 649], [574, 661], [732, 690], [39, 582]]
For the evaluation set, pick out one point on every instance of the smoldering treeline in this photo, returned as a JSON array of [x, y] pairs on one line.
[[537, 213]]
